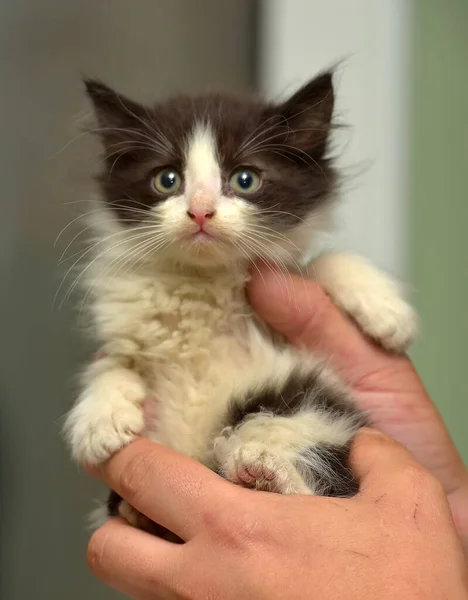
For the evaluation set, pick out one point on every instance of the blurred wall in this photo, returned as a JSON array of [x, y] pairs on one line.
[[439, 207], [141, 47], [300, 37]]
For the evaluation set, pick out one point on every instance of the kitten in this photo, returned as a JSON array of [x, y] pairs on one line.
[[193, 190]]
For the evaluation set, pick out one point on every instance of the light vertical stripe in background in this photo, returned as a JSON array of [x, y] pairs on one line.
[[301, 37]]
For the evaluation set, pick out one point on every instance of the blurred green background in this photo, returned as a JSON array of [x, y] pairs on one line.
[[439, 205]]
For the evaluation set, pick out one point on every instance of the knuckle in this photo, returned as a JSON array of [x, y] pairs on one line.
[[238, 528], [415, 477], [154, 580], [369, 442], [367, 436], [412, 475], [432, 485]]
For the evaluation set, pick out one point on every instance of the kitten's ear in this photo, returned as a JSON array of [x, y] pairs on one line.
[[309, 115], [112, 110]]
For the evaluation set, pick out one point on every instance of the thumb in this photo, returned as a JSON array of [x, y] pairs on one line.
[[301, 310], [378, 462]]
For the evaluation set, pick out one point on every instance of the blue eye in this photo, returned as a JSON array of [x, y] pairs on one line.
[[244, 181], [167, 181]]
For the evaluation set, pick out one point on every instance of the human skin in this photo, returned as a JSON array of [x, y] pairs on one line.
[[395, 539]]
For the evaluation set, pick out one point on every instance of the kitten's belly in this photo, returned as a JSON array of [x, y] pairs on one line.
[[188, 419], [192, 394]]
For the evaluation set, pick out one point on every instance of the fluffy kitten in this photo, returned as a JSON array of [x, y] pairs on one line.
[[192, 191]]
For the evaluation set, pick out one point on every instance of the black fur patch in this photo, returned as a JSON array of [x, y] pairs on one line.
[[113, 503], [332, 475], [297, 393], [335, 478]]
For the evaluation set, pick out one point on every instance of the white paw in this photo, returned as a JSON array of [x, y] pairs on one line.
[[97, 434], [255, 465], [388, 320], [108, 416], [369, 297]]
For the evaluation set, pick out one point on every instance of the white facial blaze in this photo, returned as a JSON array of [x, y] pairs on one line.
[[229, 222], [203, 173]]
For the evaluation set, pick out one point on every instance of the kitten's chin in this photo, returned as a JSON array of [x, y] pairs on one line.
[[207, 253]]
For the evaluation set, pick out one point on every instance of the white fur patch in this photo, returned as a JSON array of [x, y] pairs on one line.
[[202, 172], [108, 414], [98, 516], [371, 298]]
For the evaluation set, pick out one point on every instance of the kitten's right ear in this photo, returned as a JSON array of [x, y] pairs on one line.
[[112, 110]]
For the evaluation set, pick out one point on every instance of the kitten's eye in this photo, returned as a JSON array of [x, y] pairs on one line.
[[167, 181], [245, 181]]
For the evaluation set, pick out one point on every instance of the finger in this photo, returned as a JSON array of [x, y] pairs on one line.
[[302, 311], [132, 561], [169, 488], [381, 464]]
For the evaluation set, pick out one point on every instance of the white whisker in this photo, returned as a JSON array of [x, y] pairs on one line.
[[140, 227], [88, 266], [153, 243]]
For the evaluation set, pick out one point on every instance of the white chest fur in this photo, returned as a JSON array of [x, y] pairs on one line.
[[195, 344]]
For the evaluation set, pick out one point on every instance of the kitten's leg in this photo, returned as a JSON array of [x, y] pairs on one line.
[[292, 440], [369, 296], [108, 413], [258, 465]]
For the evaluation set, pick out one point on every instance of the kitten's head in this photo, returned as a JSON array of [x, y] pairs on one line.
[[217, 179]]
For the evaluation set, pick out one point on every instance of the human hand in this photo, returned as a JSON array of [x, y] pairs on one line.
[[387, 386], [394, 540]]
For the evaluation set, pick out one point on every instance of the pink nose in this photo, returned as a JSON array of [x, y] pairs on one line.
[[200, 215]]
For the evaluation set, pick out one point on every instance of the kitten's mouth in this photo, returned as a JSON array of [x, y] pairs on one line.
[[205, 240], [202, 235]]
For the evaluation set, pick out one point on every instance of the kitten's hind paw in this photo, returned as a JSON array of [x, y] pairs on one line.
[[255, 465]]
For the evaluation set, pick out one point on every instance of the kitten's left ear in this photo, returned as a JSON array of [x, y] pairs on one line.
[[309, 114]]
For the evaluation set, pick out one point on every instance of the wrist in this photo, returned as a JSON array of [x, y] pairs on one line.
[[458, 500]]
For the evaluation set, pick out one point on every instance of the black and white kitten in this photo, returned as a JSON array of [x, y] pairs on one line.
[[192, 191]]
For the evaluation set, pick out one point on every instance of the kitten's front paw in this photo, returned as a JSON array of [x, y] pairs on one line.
[[388, 320], [96, 434], [369, 297]]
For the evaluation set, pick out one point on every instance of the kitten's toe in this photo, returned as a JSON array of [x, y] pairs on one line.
[[137, 519], [95, 437], [256, 466], [392, 323], [130, 514], [369, 297]]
